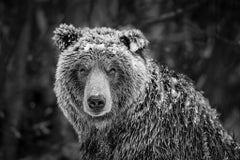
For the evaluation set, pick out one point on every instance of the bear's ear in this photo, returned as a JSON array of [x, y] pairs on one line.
[[134, 40], [65, 35]]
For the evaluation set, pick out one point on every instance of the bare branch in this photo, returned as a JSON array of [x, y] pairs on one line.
[[169, 16]]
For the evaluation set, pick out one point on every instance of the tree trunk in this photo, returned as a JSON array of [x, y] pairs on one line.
[[14, 95]]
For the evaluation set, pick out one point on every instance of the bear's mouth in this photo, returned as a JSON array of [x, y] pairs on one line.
[[96, 112], [99, 118]]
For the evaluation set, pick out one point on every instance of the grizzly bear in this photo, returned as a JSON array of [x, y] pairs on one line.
[[124, 106]]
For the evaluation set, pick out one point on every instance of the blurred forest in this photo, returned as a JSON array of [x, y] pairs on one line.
[[200, 38]]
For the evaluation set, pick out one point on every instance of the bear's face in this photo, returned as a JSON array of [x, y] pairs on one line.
[[100, 72]]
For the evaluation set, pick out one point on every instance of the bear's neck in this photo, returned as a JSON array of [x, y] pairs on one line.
[[100, 144]]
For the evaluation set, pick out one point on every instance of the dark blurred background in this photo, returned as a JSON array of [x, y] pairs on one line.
[[200, 38]]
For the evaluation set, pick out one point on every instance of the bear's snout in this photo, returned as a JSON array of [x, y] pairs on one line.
[[97, 100], [96, 103]]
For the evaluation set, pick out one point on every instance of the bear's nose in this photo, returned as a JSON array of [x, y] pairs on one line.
[[96, 103]]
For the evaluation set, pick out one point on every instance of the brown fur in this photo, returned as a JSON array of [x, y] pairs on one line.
[[151, 111]]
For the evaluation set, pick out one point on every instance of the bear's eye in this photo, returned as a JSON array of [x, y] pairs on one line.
[[112, 71], [82, 70]]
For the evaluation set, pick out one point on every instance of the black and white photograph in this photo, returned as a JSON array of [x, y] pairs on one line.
[[119, 80]]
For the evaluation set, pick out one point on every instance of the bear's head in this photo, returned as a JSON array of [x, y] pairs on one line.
[[100, 72]]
